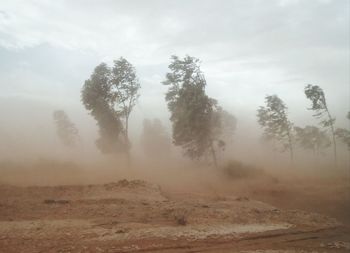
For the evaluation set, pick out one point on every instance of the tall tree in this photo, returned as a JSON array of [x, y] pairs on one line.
[[98, 100], [312, 138], [65, 129], [195, 117], [110, 95], [273, 118], [319, 105], [125, 87]]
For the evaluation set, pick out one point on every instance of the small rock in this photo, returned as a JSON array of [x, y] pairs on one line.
[[120, 231]]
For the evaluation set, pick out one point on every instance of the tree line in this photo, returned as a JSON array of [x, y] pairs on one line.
[[200, 126], [273, 118]]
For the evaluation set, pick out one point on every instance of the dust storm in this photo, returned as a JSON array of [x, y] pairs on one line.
[[174, 127]]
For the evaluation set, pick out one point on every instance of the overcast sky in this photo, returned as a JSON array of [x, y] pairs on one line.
[[248, 49]]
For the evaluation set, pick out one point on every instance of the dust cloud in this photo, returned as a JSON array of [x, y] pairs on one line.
[[245, 148], [33, 155]]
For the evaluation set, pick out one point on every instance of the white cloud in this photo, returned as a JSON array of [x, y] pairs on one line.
[[248, 48]]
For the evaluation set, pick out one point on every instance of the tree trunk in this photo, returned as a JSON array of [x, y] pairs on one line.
[[127, 142], [213, 155], [334, 147], [333, 137], [316, 153], [291, 149]]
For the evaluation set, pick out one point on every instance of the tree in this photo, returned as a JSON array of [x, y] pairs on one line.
[[196, 118], [319, 105], [125, 86], [344, 134], [224, 127], [274, 120], [154, 139], [65, 129], [110, 95], [311, 137]]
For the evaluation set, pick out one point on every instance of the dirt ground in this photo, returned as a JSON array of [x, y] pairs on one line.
[[264, 214]]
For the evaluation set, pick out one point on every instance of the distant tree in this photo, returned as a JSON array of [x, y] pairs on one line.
[[65, 129], [319, 105], [344, 134], [154, 139], [196, 118], [224, 127], [110, 95], [273, 118], [312, 138]]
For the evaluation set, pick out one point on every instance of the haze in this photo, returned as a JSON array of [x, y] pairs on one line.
[[248, 49], [174, 126]]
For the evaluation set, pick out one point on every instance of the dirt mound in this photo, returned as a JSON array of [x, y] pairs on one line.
[[123, 189]]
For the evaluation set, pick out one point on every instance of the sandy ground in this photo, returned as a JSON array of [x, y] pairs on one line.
[[137, 216]]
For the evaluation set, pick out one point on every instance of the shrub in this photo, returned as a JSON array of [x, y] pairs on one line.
[[237, 170]]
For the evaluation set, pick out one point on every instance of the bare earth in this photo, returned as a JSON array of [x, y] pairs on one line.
[[136, 216]]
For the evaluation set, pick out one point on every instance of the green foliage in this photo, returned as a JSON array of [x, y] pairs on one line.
[[110, 95], [319, 104], [311, 137], [196, 118], [124, 87], [274, 120], [191, 109], [66, 130]]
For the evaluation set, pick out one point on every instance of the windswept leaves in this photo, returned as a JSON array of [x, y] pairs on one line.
[[110, 95], [273, 119], [197, 120], [319, 105]]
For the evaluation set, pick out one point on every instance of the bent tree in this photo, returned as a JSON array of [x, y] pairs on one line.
[[319, 105], [197, 121], [109, 95], [273, 118]]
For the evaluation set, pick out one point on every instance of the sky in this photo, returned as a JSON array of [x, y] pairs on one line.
[[248, 49]]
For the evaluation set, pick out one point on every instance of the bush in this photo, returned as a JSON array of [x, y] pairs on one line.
[[237, 170]]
